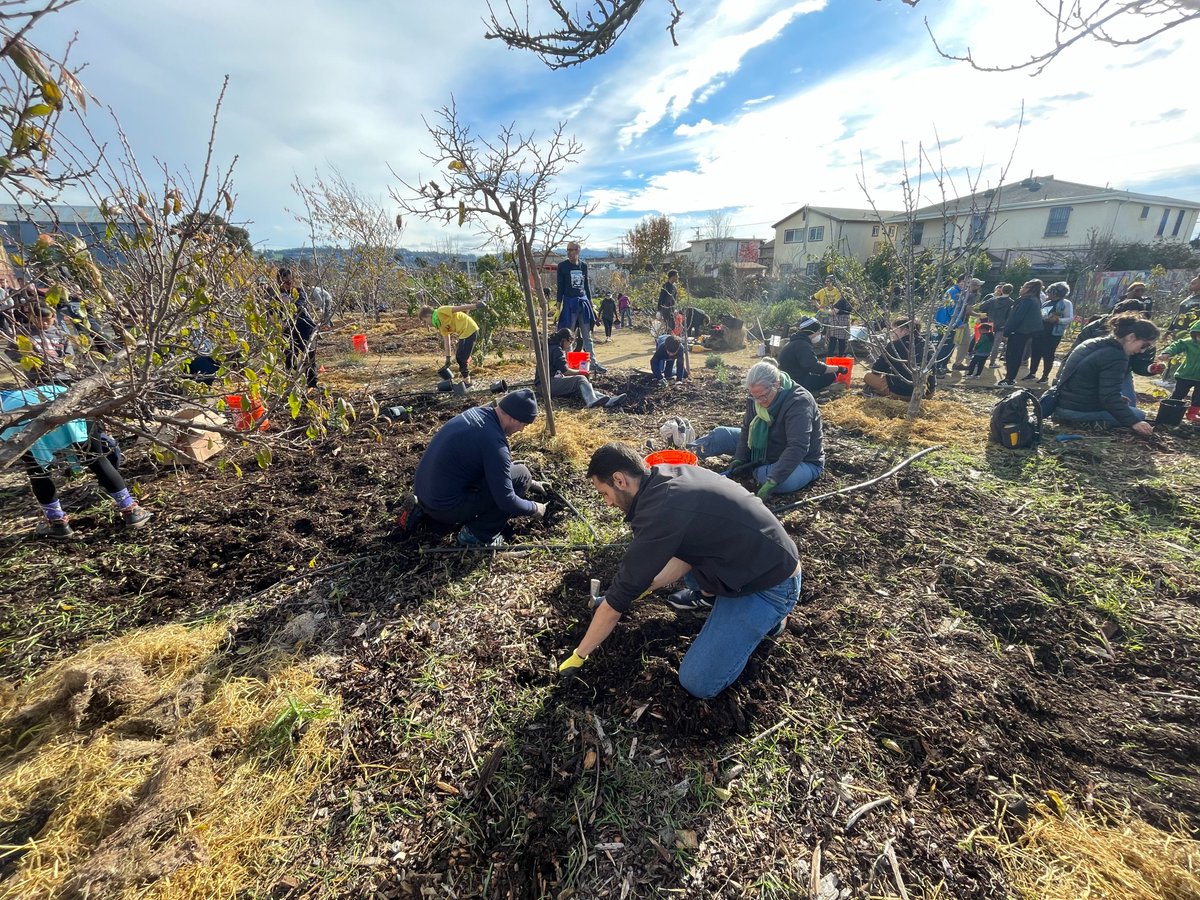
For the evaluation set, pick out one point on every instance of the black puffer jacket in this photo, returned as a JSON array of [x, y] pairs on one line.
[[798, 358], [1091, 379]]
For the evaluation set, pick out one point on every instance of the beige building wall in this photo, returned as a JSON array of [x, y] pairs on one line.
[[1069, 225], [813, 234]]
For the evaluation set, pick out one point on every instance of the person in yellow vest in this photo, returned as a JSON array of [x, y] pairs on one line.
[[827, 296], [453, 320]]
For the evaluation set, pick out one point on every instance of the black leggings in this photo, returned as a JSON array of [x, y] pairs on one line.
[[462, 354], [837, 346], [1182, 386], [608, 324], [1044, 346], [1014, 350], [92, 455]]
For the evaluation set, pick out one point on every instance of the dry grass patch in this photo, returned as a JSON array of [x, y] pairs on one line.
[[1068, 856], [578, 434], [151, 766], [941, 421]]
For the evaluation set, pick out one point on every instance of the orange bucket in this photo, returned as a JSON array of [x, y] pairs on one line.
[[847, 361], [360, 343], [247, 419], [671, 458], [578, 361]]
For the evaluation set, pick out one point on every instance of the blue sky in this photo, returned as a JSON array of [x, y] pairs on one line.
[[766, 104]]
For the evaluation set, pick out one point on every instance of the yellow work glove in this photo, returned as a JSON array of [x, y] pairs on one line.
[[574, 661]]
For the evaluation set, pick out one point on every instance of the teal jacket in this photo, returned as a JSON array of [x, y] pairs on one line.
[[44, 448], [1190, 350]]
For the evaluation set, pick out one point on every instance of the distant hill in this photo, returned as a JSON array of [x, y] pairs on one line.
[[404, 256]]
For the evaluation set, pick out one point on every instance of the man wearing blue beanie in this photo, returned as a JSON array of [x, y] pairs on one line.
[[466, 476]]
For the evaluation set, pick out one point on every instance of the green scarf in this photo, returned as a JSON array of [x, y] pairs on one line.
[[436, 322], [760, 427]]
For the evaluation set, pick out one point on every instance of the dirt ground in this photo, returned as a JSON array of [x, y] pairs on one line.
[[983, 632]]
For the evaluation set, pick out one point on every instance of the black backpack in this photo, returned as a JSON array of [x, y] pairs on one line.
[[1017, 421]]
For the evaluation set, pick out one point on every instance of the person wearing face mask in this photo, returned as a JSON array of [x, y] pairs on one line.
[[1089, 384], [799, 359]]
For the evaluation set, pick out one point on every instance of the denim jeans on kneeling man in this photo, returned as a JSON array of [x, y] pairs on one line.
[[735, 626], [723, 441]]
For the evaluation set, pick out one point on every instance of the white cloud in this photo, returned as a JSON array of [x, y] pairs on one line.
[[758, 101], [887, 105], [701, 127], [696, 68]]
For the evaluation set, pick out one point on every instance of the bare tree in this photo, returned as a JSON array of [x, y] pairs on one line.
[[574, 38], [173, 291], [965, 217], [1104, 21], [505, 186], [361, 271]]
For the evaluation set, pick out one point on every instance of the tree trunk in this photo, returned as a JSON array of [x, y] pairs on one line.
[[526, 268]]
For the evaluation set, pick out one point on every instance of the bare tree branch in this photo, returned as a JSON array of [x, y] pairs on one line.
[[1081, 20], [579, 38]]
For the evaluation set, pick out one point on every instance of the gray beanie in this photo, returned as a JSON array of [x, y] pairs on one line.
[[521, 405]]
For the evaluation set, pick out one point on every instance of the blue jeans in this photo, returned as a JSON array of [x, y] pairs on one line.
[[1099, 415], [723, 441], [664, 366], [734, 628], [627, 317]]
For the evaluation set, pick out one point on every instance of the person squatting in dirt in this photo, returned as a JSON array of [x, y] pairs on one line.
[[740, 566], [781, 438], [799, 359], [466, 476], [71, 438], [565, 381], [667, 361], [891, 373], [296, 312], [453, 320]]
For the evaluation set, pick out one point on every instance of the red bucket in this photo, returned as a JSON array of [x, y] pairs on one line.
[[360, 343], [578, 361], [847, 361], [247, 419], [671, 458]]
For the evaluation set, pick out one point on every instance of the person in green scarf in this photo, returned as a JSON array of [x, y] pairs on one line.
[[781, 435]]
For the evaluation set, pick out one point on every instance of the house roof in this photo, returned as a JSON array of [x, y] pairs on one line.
[[737, 240], [11, 212], [1036, 191], [843, 213]]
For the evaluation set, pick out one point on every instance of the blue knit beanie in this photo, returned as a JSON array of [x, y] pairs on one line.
[[521, 405]]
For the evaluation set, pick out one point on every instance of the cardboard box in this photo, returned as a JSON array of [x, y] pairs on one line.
[[196, 443]]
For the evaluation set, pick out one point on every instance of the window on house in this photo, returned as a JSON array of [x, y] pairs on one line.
[[810, 269], [1178, 224], [793, 235], [891, 231], [918, 233], [1145, 213], [785, 268], [1162, 223], [707, 247], [874, 231], [1056, 224], [978, 227], [816, 233]]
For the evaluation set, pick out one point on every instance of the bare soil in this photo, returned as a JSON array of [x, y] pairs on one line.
[[972, 634]]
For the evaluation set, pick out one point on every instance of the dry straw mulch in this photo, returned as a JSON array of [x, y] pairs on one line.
[[158, 764]]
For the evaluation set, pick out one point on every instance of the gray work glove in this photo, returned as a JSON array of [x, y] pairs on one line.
[[539, 510]]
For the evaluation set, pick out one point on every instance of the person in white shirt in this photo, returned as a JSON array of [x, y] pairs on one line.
[[1057, 314]]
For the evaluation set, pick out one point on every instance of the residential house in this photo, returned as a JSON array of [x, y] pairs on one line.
[[1044, 219], [766, 255], [710, 254], [20, 227], [803, 237]]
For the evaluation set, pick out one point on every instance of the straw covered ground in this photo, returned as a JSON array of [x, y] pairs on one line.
[[989, 689]]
